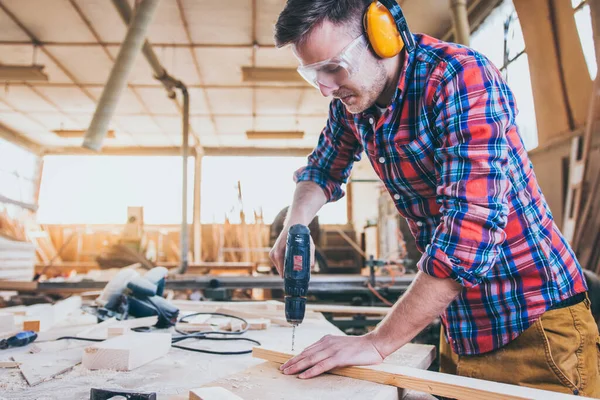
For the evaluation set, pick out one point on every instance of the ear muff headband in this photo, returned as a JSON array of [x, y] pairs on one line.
[[386, 28]]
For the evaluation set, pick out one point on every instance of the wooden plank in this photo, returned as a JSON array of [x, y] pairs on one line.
[[127, 352], [212, 393], [9, 364], [336, 309], [265, 382], [36, 368], [456, 387], [253, 315]]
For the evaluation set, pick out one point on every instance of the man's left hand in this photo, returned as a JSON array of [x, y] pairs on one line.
[[333, 352]]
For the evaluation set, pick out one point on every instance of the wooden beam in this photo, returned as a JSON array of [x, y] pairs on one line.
[[268, 135], [551, 108], [269, 74], [18, 139], [452, 386], [258, 151], [127, 352], [197, 218], [66, 133], [117, 151], [22, 73]]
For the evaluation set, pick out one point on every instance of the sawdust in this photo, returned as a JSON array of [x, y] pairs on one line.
[[11, 381]]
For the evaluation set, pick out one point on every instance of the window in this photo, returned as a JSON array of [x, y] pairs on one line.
[[267, 185], [18, 169], [500, 38], [98, 189], [583, 19]]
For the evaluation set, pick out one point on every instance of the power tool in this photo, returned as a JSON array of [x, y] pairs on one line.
[[128, 293], [296, 275], [19, 340]]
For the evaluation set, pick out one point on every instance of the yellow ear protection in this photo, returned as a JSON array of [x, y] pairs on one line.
[[386, 29]]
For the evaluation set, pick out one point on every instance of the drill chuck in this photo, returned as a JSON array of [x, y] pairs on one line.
[[296, 273]]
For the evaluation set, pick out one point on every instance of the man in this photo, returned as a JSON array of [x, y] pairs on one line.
[[437, 122]]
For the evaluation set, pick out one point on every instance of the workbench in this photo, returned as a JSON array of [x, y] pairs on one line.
[[174, 375]]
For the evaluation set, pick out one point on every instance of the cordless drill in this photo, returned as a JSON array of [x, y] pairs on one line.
[[296, 274]]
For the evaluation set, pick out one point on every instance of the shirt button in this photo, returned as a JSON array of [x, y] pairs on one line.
[[381, 160], [397, 196], [371, 121], [419, 223]]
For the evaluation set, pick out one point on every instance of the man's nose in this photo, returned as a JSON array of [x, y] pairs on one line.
[[327, 89]]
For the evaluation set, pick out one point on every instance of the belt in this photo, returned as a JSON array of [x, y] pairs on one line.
[[571, 301]]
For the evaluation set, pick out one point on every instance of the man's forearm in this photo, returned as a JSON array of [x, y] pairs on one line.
[[426, 298], [308, 200]]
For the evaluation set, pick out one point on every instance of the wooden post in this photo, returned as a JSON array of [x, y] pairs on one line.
[[460, 20], [197, 224]]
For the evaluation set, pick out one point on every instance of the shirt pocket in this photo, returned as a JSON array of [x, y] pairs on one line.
[[416, 165]]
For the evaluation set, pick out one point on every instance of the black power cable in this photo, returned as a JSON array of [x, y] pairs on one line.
[[196, 335]]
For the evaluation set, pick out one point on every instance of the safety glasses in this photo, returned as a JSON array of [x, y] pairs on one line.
[[337, 69]]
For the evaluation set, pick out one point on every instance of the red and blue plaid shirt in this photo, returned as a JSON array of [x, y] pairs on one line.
[[449, 153]]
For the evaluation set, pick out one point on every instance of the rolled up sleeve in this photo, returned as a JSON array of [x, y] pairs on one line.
[[330, 163], [472, 172]]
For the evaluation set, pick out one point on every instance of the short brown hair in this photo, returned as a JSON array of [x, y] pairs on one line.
[[299, 17]]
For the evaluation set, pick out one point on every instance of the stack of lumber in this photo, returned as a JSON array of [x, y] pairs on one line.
[[17, 260]]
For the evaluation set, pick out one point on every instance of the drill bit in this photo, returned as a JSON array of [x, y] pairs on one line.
[[293, 336]]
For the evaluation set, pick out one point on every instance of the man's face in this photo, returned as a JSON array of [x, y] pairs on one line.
[[361, 90]]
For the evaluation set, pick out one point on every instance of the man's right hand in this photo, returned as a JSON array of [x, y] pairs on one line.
[[277, 253]]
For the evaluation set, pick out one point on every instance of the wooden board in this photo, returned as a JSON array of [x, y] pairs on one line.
[[276, 319], [436, 383], [127, 352], [36, 368], [265, 381], [212, 393]]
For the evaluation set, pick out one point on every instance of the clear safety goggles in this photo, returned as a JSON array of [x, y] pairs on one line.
[[337, 69]]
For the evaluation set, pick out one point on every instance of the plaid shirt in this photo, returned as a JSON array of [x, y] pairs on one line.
[[449, 153]]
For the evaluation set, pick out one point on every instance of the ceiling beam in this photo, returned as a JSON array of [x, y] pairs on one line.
[[137, 95], [176, 151], [116, 151], [287, 86], [196, 65], [258, 151], [35, 41], [117, 44], [20, 140]]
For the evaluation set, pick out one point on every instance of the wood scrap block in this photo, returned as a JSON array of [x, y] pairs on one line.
[[32, 325], [212, 393], [113, 331], [235, 325], [9, 364], [258, 324], [127, 352]]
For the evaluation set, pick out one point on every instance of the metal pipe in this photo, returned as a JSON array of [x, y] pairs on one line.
[[171, 84], [117, 80], [460, 19], [160, 72]]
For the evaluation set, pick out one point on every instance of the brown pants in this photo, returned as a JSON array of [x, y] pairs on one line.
[[559, 352]]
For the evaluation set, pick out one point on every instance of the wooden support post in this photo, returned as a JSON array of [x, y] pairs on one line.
[[197, 221], [452, 386], [460, 20]]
